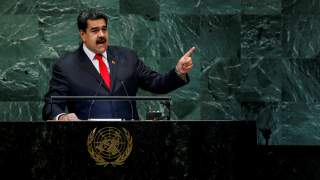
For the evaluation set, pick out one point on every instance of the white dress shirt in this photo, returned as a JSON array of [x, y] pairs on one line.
[[91, 55]]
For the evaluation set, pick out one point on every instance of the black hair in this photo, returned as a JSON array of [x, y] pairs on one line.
[[91, 14]]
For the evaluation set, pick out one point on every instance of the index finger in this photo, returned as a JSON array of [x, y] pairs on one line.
[[189, 53]]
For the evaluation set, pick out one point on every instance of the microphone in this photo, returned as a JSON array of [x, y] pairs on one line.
[[125, 89], [92, 101]]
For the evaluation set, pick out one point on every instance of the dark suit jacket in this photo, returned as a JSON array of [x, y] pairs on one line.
[[75, 75]]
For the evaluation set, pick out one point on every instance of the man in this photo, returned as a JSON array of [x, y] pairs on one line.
[[97, 69]]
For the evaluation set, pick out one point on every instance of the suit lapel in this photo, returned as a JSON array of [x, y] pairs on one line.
[[87, 66], [113, 65]]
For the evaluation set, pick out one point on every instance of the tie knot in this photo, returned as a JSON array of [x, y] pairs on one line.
[[99, 57]]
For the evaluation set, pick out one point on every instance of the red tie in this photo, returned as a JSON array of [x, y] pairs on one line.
[[103, 70]]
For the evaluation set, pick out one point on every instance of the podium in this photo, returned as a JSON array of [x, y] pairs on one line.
[[160, 150]]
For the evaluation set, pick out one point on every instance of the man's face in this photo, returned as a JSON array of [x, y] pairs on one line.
[[96, 35]]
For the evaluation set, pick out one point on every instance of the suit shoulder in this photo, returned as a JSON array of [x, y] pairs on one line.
[[68, 58], [121, 50]]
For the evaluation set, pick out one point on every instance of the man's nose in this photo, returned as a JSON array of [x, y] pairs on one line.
[[101, 33]]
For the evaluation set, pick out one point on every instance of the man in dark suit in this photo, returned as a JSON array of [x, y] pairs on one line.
[[97, 69]]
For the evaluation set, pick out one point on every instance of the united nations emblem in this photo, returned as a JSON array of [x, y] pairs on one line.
[[109, 145]]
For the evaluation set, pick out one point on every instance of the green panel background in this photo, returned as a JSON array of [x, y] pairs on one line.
[[256, 60]]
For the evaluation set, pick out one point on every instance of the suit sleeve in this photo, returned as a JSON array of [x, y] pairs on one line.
[[158, 83], [58, 86]]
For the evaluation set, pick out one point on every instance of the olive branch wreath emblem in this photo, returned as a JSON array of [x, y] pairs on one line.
[[109, 145]]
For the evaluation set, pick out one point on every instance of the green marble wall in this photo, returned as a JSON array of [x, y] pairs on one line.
[[255, 60]]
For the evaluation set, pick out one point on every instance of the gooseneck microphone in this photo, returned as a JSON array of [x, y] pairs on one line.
[[92, 101], [125, 89]]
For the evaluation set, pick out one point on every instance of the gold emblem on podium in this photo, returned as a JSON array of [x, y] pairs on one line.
[[109, 145]]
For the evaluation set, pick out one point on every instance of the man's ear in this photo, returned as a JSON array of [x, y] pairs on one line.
[[82, 34]]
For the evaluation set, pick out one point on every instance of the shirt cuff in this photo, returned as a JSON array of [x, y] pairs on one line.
[[57, 117]]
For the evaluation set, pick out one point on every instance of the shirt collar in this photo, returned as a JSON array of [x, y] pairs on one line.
[[91, 55]]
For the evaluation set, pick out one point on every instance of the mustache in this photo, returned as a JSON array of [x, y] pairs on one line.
[[101, 40]]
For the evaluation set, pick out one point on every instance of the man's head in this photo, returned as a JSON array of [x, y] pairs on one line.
[[93, 30]]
